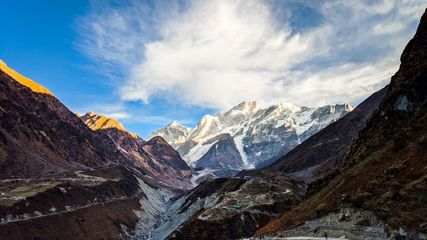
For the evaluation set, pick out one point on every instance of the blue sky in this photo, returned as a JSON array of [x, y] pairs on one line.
[[150, 62]]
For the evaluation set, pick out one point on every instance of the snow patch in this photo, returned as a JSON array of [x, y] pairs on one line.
[[238, 140]]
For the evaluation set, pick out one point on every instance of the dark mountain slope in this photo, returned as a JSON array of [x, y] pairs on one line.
[[385, 170], [160, 149]]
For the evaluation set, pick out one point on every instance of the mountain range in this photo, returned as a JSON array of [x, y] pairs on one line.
[[247, 136]]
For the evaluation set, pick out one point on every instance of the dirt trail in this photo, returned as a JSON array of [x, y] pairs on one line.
[[69, 210]]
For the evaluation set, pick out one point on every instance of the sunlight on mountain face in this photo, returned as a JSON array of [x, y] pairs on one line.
[[23, 80], [96, 122]]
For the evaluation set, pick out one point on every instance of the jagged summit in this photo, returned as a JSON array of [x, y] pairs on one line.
[[173, 133], [286, 107], [97, 121], [246, 106], [23, 80]]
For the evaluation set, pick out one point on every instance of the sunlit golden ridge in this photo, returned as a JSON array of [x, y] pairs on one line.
[[23, 80]]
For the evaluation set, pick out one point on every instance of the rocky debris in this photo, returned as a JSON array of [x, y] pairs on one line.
[[348, 223]]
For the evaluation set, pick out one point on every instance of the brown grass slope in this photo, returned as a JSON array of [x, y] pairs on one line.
[[386, 168]]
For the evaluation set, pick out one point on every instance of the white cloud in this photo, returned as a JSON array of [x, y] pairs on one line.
[[336, 84], [217, 53]]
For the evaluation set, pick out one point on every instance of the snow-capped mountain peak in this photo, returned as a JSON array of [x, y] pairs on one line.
[[250, 134], [206, 125], [174, 133], [173, 124]]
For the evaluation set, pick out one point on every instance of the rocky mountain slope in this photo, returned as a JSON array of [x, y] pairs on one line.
[[247, 135]]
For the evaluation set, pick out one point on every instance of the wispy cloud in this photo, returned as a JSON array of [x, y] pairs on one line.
[[130, 115], [217, 53]]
